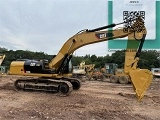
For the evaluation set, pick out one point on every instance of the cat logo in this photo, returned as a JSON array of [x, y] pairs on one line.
[[32, 64], [104, 35]]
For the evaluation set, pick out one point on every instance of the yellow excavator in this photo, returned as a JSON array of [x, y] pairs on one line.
[[83, 71], [55, 75]]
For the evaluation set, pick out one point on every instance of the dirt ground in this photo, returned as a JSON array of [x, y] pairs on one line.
[[95, 100]]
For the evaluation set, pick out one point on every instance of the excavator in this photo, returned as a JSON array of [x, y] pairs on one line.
[[55, 76], [83, 71]]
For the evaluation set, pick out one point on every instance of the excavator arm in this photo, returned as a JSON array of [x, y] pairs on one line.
[[140, 78]]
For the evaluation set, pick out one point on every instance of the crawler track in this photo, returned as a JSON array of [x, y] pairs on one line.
[[63, 86]]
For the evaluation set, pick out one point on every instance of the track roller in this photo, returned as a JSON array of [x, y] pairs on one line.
[[46, 85]]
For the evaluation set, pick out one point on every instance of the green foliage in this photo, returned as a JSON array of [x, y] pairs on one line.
[[148, 59], [118, 57], [21, 54]]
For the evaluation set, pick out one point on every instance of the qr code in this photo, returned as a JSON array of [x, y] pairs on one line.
[[133, 21]]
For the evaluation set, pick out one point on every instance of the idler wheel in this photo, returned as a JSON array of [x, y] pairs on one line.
[[76, 84]]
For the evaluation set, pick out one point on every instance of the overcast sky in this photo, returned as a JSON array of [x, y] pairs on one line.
[[45, 25]]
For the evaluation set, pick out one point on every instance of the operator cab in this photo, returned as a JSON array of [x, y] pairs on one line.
[[111, 68]]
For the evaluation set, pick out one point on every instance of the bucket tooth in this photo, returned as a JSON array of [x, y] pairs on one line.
[[141, 79]]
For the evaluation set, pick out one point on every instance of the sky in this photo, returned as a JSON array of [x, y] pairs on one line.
[[45, 25]]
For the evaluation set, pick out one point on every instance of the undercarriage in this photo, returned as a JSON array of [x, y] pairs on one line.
[[64, 86]]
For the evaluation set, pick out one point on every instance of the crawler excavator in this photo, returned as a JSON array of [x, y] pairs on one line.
[[55, 75]]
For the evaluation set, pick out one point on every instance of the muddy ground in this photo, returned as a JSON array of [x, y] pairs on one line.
[[95, 100]]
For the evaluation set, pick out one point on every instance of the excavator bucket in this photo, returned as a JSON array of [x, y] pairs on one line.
[[141, 79]]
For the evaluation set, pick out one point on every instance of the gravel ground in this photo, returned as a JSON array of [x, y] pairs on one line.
[[95, 100]]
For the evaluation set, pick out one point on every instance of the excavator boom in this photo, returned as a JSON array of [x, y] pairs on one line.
[[83, 38]]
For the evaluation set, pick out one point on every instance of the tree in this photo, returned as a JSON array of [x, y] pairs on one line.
[[93, 58], [76, 60], [118, 57], [148, 59]]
